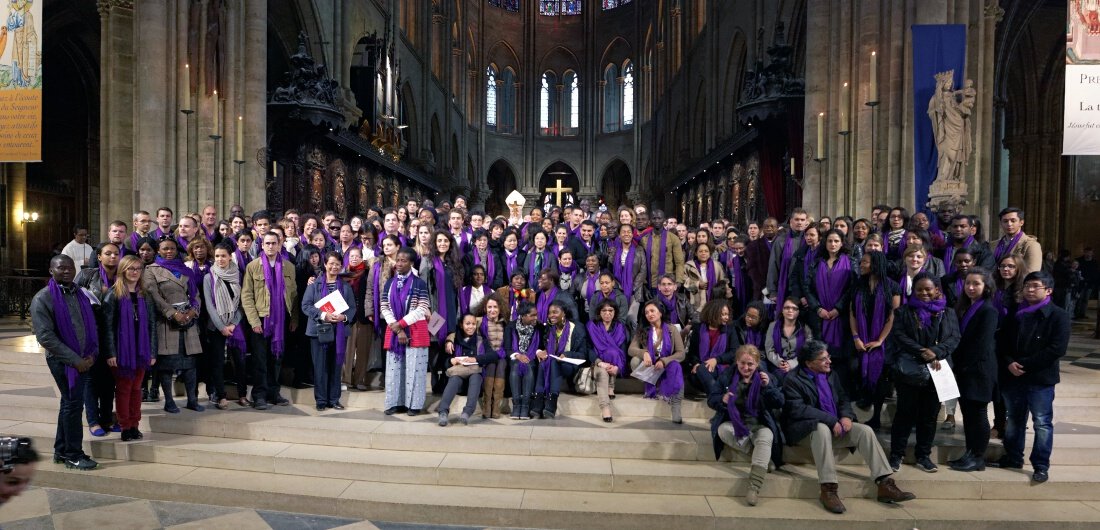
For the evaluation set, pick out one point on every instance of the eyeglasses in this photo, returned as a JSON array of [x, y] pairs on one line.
[[1034, 286]]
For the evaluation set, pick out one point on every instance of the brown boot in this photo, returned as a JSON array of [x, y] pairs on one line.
[[498, 396], [889, 492], [830, 500]]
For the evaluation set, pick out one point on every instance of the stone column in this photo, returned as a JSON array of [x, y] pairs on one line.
[[117, 83], [156, 113], [253, 175]]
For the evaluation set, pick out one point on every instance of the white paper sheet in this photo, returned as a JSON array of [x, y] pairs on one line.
[[944, 379], [333, 304], [649, 374], [569, 360]]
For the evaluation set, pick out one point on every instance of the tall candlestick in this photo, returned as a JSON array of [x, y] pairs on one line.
[[185, 89], [820, 135], [217, 112], [240, 138], [845, 98], [792, 165], [873, 92]]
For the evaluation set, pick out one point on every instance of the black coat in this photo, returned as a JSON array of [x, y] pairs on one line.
[[802, 408], [1038, 340], [494, 281], [909, 337], [975, 359], [769, 415], [727, 357]]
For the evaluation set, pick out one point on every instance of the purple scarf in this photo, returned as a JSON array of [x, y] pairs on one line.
[[341, 329], [737, 278], [784, 275], [178, 268], [1004, 248], [709, 275], [970, 312], [159, 234], [399, 301], [752, 404], [609, 344], [490, 264], [870, 328], [532, 347], [545, 298], [235, 339], [1025, 309], [590, 285], [708, 351], [671, 381], [925, 310], [777, 339], [376, 298], [242, 260], [949, 255], [440, 274], [567, 270], [555, 346], [510, 262], [275, 323], [107, 283], [345, 253], [831, 285], [134, 239], [464, 299], [755, 337], [670, 307], [624, 273], [661, 256], [132, 357], [824, 391], [67, 333]]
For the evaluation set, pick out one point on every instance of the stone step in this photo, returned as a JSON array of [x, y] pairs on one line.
[[26, 374], [518, 507]]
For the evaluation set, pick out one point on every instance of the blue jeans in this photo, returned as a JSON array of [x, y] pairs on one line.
[[70, 431], [521, 386], [326, 373], [1039, 401]]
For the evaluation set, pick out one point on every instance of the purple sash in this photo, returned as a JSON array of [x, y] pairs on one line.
[[484, 328], [671, 381], [376, 297], [590, 286], [490, 266], [399, 300], [708, 351], [737, 279], [949, 255], [341, 330], [624, 273], [532, 347], [777, 339], [510, 264], [784, 275], [752, 404], [609, 344], [464, 299], [134, 239], [440, 275], [130, 356], [242, 260], [555, 346], [661, 256], [831, 285], [824, 392], [970, 312], [870, 330], [67, 333], [1004, 248], [103, 276], [275, 323], [178, 268], [755, 337], [925, 310], [545, 298], [708, 274], [534, 269], [1025, 309], [670, 308]]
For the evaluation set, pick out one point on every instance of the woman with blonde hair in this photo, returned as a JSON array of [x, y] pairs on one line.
[[131, 341]]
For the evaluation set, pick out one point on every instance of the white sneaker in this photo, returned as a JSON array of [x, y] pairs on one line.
[[343, 387]]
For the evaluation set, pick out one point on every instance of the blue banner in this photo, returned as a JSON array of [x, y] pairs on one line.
[[936, 48]]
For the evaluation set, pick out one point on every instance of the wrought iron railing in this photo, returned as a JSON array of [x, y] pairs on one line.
[[16, 293]]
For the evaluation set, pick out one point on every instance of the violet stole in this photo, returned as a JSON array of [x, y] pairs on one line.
[[399, 306], [755, 337], [970, 312], [555, 346], [733, 267], [130, 356], [661, 256], [242, 260], [752, 403], [708, 351], [671, 381], [873, 360], [341, 330], [1004, 248], [1025, 309], [103, 277], [510, 263], [484, 328], [177, 267], [532, 347], [440, 275], [949, 255], [533, 270], [925, 310], [784, 275], [824, 391], [490, 266], [831, 285], [670, 307], [608, 344], [777, 339], [624, 273], [590, 285], [67, 333], [275, 323], [545, 298]]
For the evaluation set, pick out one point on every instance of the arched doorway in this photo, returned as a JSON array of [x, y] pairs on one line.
[[501, 180], [614, 184], [558, 185]]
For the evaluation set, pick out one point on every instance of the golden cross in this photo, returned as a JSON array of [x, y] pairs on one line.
[[558, 191]]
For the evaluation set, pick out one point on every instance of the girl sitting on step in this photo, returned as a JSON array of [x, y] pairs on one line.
[[464, 366], [656, 343]]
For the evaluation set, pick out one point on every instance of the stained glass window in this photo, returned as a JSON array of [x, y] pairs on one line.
[[491, 97], [612, 4], [628, 95], [572, 103], [507, 106], [548, 104], [611, 99], [510, 5], [560, 7]]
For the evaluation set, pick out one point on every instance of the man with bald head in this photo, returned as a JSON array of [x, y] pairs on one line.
[[210, 223], [64, 324]]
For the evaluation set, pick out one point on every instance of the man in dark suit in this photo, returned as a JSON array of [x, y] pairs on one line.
[[1029, 371], [819, 416], [757, 254]]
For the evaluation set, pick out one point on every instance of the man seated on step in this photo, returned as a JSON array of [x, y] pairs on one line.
[[818, 415]]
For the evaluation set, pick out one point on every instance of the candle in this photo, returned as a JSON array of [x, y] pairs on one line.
[[792, 165], [844, 106], [185, 89], [217, 111], [873, 93], [820, 135], [240, 138]]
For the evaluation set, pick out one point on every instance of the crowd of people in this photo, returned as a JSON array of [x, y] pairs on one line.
[[786, 330]]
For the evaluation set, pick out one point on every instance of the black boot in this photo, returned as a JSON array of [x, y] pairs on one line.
[[551, 408], [191, 387], [166, 385], [535, 410]]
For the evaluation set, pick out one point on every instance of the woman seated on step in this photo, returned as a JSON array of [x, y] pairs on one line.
[[564, 338], [747, 404], [524, 338], [467, 356], [656, 343], [609, 339], [494, 373]]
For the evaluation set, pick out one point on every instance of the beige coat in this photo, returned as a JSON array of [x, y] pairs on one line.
[[1029, 250], [166, 290], [695, 284], [256, 299]]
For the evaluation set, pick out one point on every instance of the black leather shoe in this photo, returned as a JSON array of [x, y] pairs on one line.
[[282, 401], [390, 411], [1040, 476], [260, 404], [962, 458], [338, 406], [969, 464], [321, 408], [1005, 463], [414, 412]]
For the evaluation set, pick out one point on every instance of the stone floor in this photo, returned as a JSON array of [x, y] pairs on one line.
[[56, 509]]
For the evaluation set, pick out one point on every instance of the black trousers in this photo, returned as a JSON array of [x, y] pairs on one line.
[[975, 425], [265, 367], [215, 355], [916, 406]]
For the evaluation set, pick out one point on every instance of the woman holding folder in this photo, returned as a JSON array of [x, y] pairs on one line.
[[327, 329]]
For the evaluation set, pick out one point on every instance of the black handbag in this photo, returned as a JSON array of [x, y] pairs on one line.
[[911, 371], [326, 333]]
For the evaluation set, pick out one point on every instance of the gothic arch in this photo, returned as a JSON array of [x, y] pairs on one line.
[[559, 58], [616, 52], [504, 56], [615, 181], [500, 181]]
